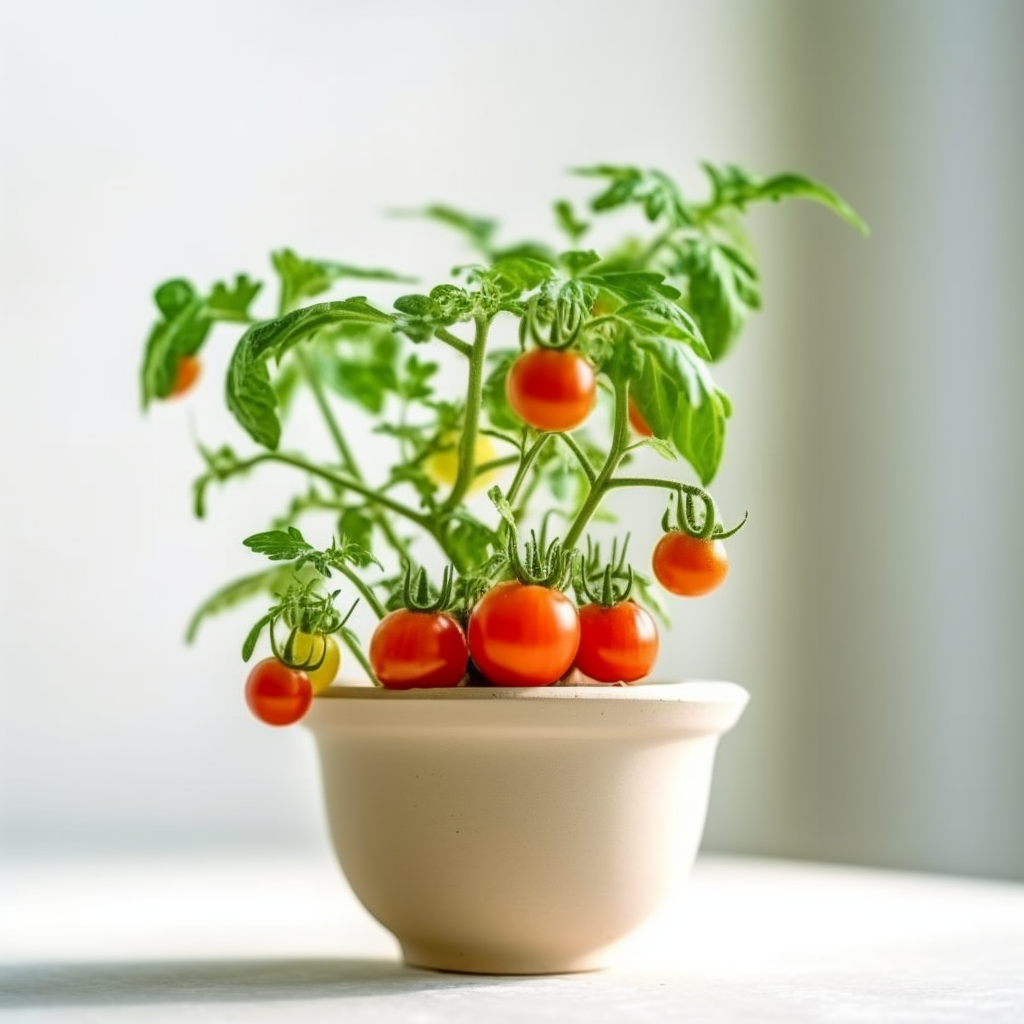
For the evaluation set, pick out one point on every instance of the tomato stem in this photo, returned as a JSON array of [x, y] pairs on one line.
[[581, 456], [620, 441], [474, 399], [347, 458], [352, 643], [452, 341]]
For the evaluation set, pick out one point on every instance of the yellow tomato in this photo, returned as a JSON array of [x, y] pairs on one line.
[[443, 466], [308, 648]]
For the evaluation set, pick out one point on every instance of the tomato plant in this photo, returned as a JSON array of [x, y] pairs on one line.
[[551, 352], [552, 389], [276, 694]]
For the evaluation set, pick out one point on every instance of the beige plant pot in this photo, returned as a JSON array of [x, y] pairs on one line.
[[518, 831]]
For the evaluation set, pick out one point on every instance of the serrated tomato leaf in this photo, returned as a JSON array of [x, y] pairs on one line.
[[249, 393]]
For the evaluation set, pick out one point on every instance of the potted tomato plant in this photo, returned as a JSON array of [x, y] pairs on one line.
[[502, 797]]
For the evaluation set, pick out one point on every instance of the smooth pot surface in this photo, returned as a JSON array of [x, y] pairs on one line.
[[518, 831]]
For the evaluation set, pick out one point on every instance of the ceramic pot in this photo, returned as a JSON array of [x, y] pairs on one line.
[[518, 831]]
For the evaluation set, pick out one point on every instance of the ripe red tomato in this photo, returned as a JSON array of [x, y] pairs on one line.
[[688, 566], [276, 694], [418, 649], [617, 644], [637, 421], [186, 376], [551, 389], [523, 635]]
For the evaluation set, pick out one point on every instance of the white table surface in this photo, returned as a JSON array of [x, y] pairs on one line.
[[284, 939]]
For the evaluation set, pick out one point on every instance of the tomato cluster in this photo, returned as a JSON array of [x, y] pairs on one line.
[[278, 694]]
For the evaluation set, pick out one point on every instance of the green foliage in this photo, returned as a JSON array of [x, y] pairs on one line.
[[651, 314], [249, 394]]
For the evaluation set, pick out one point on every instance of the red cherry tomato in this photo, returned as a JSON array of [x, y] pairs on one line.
[[418, 649], [637, 421], [688, 566], [186, 376], [276, 694], [617, 644], [551, 389], [523, 635]]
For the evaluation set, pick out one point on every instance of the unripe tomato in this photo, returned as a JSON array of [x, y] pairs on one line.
[[523, 635], [551, 389], [186, 376], [637, 421], [310, 647], [443, 467], [411, 649], [688, 566], [277, 694], [617, 644]]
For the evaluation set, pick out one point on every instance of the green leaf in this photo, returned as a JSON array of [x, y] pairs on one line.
[[279, 545], [662, 317], [359, 367], [478, 230], [253, 636], [680, 402], [514, 275], [470, 542], [576, 261], [571, 225], [495, 396], [723, 289], [249, 395], [655, 192], [414, 382], [356, 525], [305, 279], [734, 186], [267, 581], [634, 286], [181, 331], [233, 303]]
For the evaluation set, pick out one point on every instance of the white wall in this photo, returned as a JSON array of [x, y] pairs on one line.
[[145, 141], [139, 142]]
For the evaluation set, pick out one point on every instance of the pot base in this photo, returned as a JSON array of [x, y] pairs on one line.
[[500, 961]]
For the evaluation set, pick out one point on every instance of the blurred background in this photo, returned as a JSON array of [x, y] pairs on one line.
[[874, 606]]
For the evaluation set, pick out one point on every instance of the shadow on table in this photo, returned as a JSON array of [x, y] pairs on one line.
[[173, 981]]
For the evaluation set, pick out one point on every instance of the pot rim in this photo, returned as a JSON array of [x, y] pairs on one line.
[[686, 691]]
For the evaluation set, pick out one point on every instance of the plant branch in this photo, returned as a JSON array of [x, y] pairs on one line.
[[474, 398], [452, 341], [620, 441], [352, 643], [585, 464]]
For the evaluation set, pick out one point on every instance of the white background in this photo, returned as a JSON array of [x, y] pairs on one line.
[[873, 609]]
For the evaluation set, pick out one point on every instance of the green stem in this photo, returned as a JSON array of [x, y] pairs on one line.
[[352, 643], [474, 399], [452, 341], [341, 482], [585, 464], [344, 451], [505, 460], [347, 459], [528, 458], [620, 441], [655, 481], [367, 594]]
